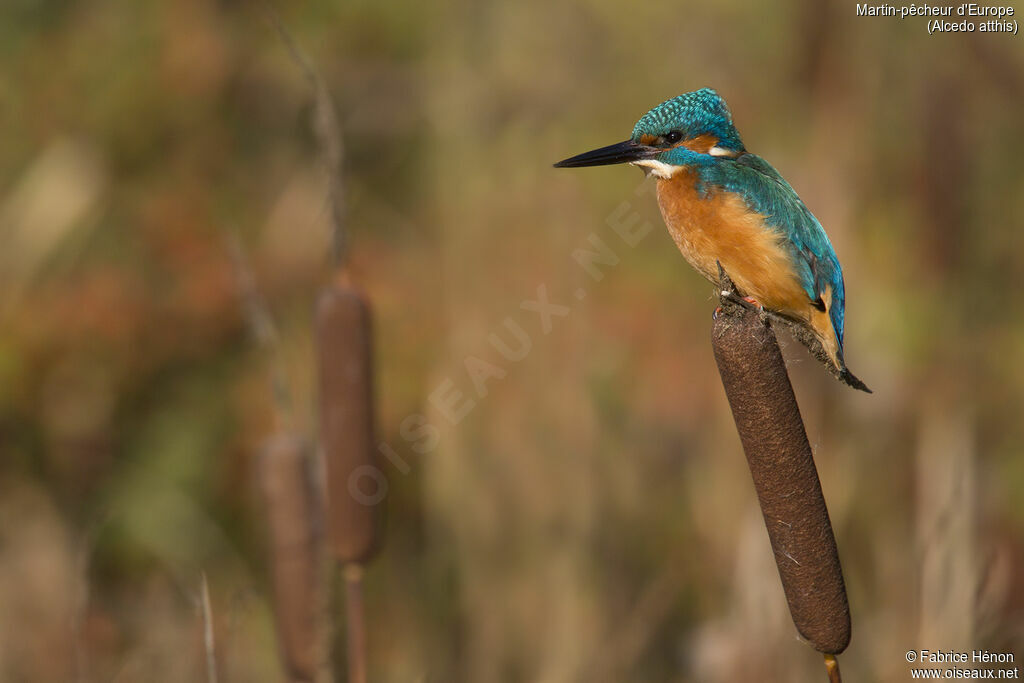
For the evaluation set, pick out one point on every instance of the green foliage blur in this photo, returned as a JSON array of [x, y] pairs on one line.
[[590, 516]]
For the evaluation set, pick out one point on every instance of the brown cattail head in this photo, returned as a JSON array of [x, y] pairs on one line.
[[355, 484], [292, 519], [772, 432]]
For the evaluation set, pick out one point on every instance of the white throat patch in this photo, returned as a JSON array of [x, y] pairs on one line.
[[658, 169]]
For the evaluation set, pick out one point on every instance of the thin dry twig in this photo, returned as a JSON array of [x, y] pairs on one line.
[[262, 328], [328, 134], [208, 642]]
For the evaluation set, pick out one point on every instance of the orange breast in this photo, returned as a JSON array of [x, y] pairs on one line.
[[720, 228]]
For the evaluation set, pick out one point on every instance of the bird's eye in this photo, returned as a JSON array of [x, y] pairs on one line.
[[672, 137]]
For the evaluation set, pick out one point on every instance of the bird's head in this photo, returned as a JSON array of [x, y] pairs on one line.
[[688, 130]]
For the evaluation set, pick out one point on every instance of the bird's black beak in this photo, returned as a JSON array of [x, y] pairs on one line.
[[619, 153]]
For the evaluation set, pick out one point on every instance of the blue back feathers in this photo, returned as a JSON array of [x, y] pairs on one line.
[[768, 193]]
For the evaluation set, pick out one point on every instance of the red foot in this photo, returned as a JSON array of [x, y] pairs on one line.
[[753, 302]]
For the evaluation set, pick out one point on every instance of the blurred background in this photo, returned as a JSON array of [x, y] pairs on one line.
[[585, 512]]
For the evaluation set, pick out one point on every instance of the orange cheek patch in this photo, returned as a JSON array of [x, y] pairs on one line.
[[700, 144]]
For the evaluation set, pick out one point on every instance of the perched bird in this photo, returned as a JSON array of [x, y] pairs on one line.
[[724, 205]]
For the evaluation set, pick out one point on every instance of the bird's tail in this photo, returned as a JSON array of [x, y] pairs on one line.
[[816, 332], [824, 344], [851, 380]]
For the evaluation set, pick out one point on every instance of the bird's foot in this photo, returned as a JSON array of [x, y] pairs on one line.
[[753, 302], [730, 297], [745, 301], [718, 312]]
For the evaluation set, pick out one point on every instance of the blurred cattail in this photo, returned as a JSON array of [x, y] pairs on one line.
[[782, 466], [344, 354], [345, 377], [292, 515], [346, 420], [344, 366]]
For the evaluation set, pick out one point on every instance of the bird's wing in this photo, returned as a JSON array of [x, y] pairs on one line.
[[767, 192]]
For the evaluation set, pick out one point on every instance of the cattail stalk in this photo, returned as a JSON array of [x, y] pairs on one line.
[[355, 623], [772, 432], [832, 668]]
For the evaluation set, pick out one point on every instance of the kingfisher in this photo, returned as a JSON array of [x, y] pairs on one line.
[[730, 209]]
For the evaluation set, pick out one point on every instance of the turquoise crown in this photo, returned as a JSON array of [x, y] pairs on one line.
[[701, 112]]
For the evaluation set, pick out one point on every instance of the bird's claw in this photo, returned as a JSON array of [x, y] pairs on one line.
[[753, 302]]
